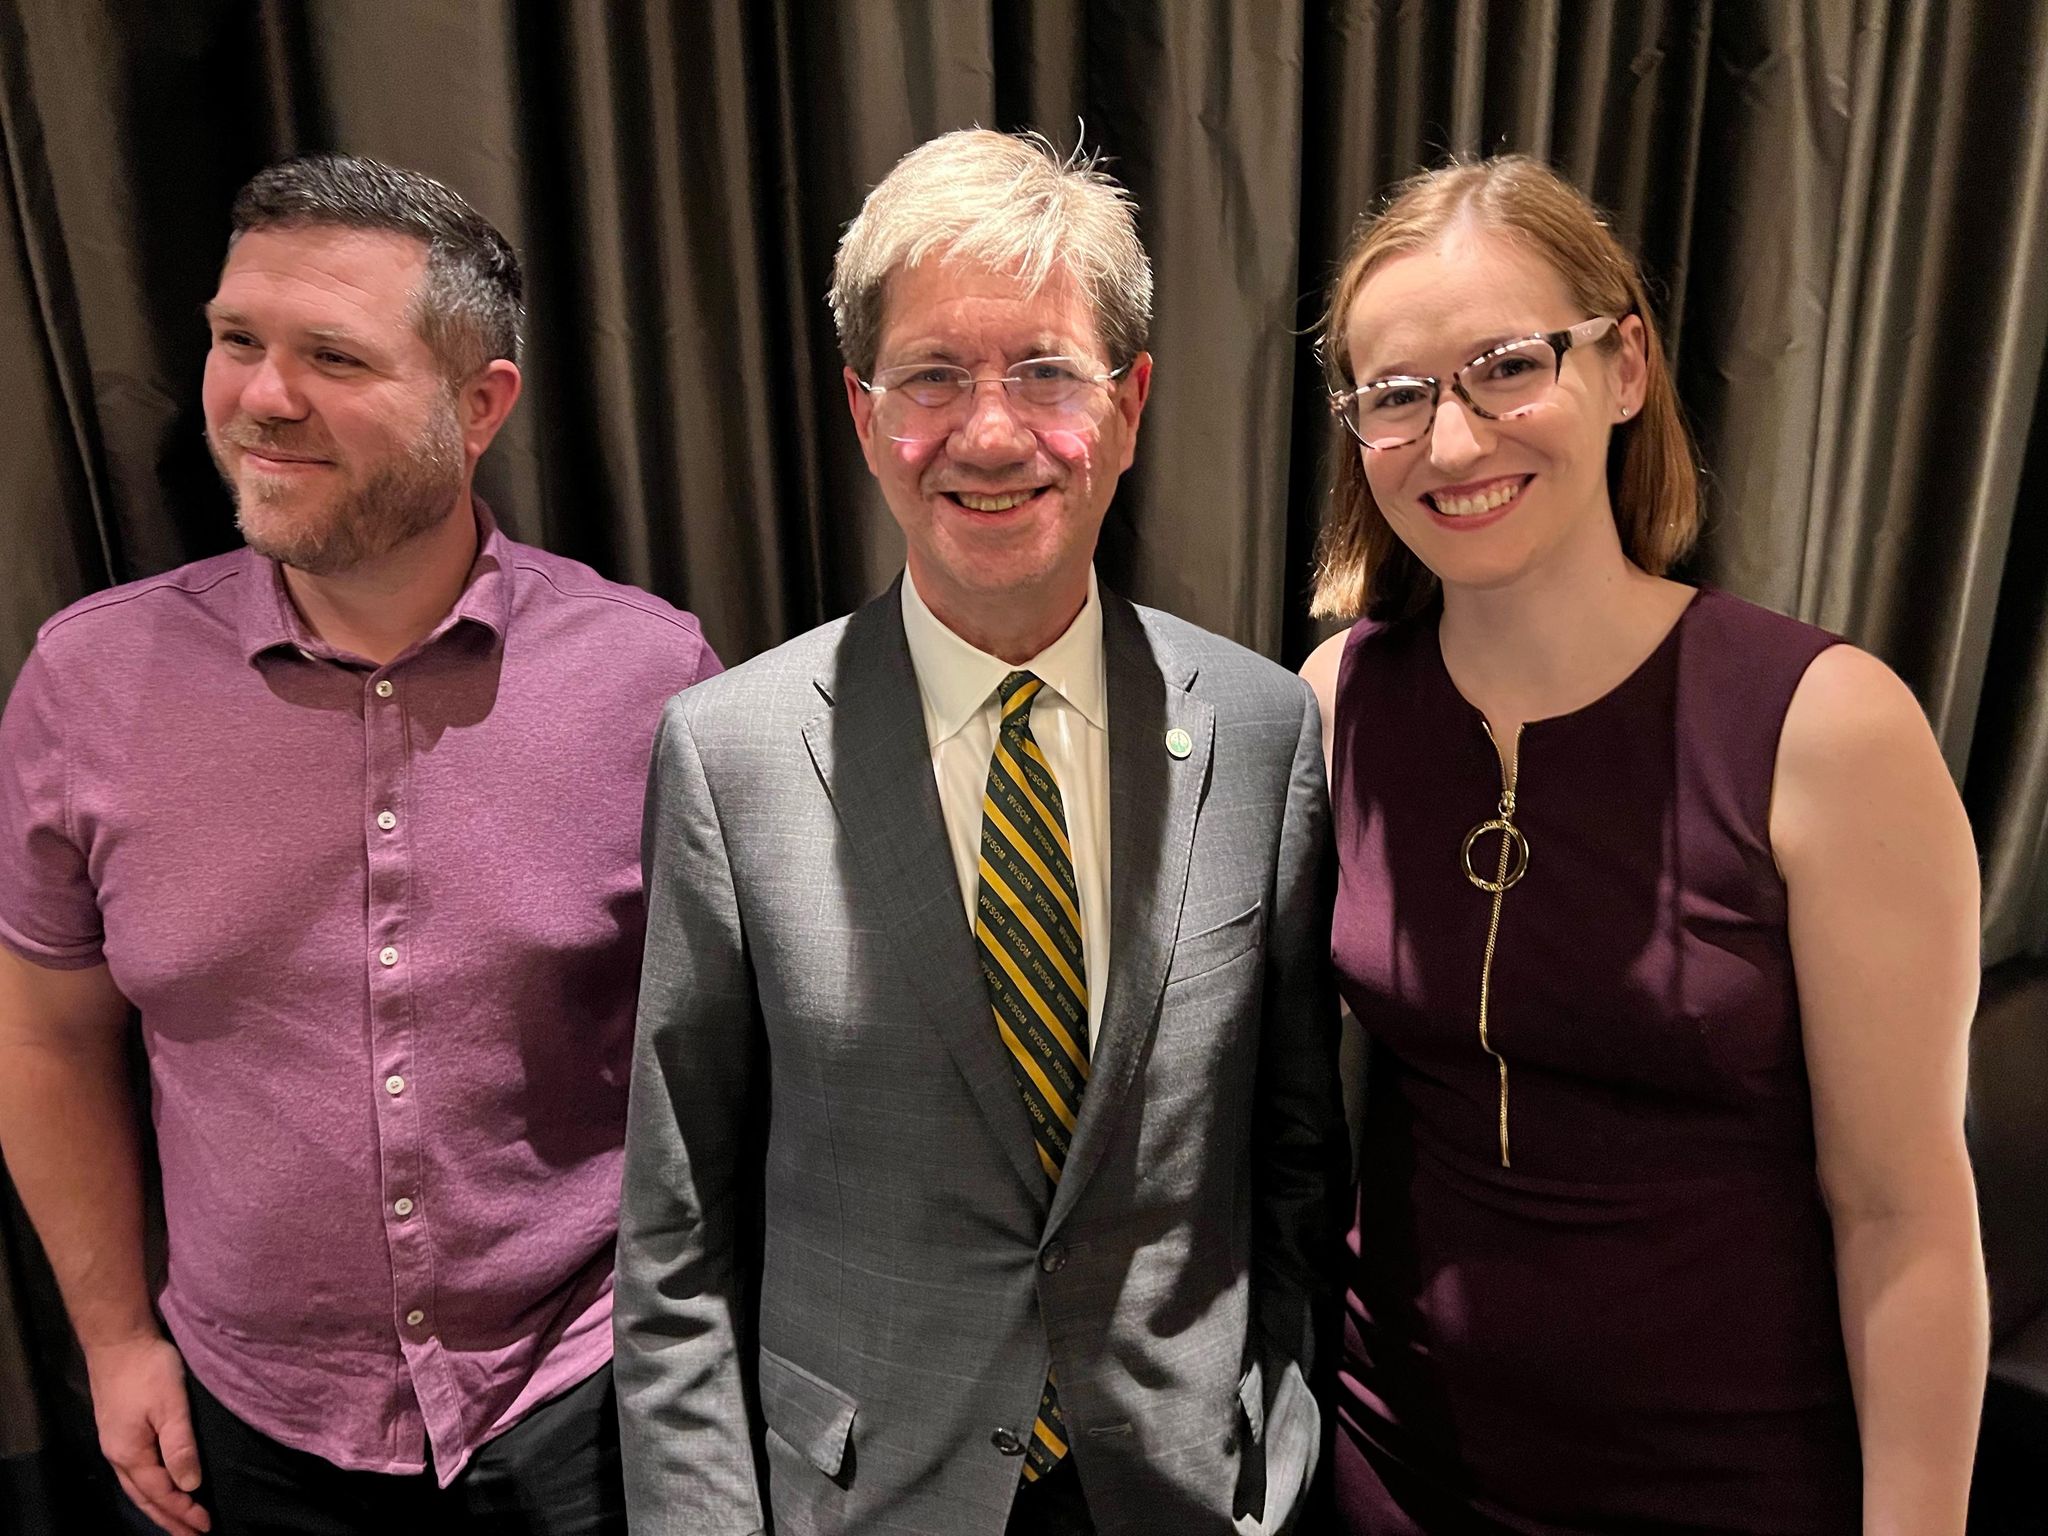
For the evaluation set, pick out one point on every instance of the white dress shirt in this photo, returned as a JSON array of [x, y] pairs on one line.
[[1069, 721]]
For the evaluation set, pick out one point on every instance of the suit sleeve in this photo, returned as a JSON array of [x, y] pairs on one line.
[[1300, 1148], [685, 1259]]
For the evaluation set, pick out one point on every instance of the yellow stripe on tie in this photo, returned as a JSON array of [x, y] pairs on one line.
[[1037, 755], [1037, 1001], [1030, 856], [1015, 770], [1037, 1074], [1041, 1010], [1011, 811], [1020, 701], [1053, 1442], [1022, 913], [1052, 1169]]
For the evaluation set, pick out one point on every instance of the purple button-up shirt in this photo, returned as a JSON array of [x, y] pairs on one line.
[[383, 928]]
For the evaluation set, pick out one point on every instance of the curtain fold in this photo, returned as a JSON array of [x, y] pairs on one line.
[[1843, 206], [21, 1416]]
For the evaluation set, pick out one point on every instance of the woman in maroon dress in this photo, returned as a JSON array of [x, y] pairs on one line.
[[1660, 912]]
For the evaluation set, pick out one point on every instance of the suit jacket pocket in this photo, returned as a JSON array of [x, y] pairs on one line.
[[1214, 948], [812, 1415]]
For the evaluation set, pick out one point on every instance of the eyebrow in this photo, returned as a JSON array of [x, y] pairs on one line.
[[1403, 368], [935, 352], [931, 352], [347, 338], [216, 314]]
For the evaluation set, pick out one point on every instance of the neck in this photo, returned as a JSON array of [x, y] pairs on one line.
[[1012, 627], [381, 608], [1558, 637]]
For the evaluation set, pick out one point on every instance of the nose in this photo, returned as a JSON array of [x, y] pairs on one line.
[[269, 393], [1454, 443], [992, 433]]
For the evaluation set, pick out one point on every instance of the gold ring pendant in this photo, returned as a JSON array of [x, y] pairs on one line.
[[1514, 862]]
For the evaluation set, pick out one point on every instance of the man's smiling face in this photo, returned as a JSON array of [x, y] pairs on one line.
[[327, 412], [1005, 507]]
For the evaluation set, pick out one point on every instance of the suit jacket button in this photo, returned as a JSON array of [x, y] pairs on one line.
[[1053, 1260], [1006, 1441]]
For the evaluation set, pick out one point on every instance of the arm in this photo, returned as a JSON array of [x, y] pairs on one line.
[[1300, 1152], [1320, 673], [1882, 888], [67, 1126], [685, 1417]]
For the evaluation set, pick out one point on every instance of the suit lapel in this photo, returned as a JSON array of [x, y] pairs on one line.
[[1153, 800], [870, 750]]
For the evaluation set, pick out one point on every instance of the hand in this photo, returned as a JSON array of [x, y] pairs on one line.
[[145, 1424]]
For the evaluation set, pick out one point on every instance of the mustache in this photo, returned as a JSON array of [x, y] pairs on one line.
[[245, 433]]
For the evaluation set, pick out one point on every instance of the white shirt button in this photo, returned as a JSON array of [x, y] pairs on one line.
[[383, 687], [394, 1085], [388, 955], [402, 1205], [414, 1318], [386, 820]]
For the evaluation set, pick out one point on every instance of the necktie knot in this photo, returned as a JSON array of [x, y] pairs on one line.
[[1017, 692]]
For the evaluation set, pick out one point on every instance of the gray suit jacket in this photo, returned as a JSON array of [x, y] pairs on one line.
[[841, 1272]]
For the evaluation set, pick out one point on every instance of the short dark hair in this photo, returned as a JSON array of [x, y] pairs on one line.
[[471, 303]]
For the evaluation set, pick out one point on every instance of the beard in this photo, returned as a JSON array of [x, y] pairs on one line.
[[405, 495]]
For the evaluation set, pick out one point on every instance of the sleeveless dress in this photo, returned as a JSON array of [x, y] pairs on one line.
[[1632, 1327]]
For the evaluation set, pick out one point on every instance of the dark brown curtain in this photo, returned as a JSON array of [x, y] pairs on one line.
[[1844, 204]]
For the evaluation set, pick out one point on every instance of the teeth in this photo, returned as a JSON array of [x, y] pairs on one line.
[[1472, 506], [993, 503]]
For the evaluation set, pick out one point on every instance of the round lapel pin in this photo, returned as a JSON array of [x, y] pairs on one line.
[[1179, 742]]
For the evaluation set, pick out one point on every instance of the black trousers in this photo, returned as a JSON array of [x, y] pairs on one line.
[[554, 1473]]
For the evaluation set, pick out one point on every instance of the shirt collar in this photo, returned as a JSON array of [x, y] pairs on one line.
[[955, 679], [268, 620]]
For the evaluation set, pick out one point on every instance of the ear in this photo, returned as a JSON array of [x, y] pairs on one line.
[[1631, 368], [862, 404], [1132, 391], [484, 401]]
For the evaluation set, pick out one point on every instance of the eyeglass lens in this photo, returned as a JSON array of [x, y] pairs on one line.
[[1504, 383], [932, 399]]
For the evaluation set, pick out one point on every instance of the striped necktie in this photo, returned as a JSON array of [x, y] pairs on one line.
[[1027, 920]]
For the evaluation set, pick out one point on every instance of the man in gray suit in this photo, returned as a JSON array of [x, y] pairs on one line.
[[985, 1151]]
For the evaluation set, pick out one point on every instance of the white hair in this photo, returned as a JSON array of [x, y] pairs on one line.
[[1008, 202]]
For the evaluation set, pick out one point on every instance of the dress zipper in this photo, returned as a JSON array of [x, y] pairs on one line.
[[1514, 863]]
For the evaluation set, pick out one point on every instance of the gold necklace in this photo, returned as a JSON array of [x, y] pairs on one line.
[[1514, 863]]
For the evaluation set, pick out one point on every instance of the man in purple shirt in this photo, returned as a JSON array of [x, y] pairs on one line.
[[351, 817]]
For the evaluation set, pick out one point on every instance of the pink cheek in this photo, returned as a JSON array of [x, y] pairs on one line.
[[915, 452], [1073, 447], [218, 394]]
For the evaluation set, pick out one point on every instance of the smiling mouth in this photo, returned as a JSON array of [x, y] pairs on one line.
[[997, 503], [1488, 498], [281, 458]]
